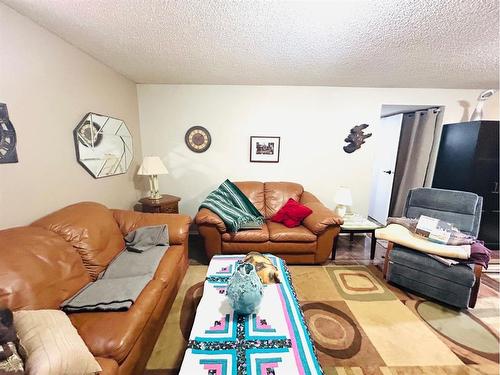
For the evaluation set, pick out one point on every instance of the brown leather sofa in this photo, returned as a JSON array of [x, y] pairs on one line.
[[46, 262], [310, 243]]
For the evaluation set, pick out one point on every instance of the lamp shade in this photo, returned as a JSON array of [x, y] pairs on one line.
[[343, 196], [152, 165]]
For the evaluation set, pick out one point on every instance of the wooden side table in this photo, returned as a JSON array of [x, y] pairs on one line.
[[167, 204], [356, 226]]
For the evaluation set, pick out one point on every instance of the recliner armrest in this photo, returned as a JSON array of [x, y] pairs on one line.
[[178, 225], [321, 218], [205, 216]]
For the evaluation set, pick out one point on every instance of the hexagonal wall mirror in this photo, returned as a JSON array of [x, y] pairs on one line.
[[103, 145]]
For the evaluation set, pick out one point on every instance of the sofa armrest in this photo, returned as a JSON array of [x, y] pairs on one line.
[[109, 366], [325, 243], [212, 239], [178, 225], [321, 218], [307, 197], [205, 216]]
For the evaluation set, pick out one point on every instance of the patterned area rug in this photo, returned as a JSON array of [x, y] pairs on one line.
[[362, 325]]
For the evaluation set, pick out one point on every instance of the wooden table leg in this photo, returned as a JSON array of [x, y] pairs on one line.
[[373, 245], [390, 246], [351, 236], [334, 249]]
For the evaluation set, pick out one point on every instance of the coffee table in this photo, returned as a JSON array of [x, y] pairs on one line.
[[273, 340], [354, 223]]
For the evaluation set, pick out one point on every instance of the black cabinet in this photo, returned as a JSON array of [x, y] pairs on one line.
[[468, 161]]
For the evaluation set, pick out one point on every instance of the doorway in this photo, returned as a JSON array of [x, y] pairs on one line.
[[404, 150]]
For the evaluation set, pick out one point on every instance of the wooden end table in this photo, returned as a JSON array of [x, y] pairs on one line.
[[167, 204], [361, 225]]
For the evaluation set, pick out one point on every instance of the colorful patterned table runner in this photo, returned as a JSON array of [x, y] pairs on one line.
[[272, 341]]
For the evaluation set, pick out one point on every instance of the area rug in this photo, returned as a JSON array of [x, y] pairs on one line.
[[362, 325]]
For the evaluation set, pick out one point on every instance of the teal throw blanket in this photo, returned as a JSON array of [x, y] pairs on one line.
[[232, 206]]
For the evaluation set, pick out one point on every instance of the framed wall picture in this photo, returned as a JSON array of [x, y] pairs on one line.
[[264, 149]]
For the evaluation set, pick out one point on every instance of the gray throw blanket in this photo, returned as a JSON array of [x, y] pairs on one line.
[[146, 238], [107, 295], [118, 287], [129, 263]]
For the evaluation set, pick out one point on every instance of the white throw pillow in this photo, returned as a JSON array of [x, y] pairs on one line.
[[52, 344]]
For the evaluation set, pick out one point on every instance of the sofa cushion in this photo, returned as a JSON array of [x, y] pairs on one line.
[[291, 214], [427, 267], [278, 193], [91, 229], [251, 235], [38, 269], [112, 334], [254, 191], [292, 247], [269, 247], [244, 247], [280, 233]]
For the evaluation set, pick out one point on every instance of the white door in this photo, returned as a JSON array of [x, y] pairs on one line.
[[386, 152]]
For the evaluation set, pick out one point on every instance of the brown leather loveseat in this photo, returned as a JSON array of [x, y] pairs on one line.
[[308, 243], [46, 262]]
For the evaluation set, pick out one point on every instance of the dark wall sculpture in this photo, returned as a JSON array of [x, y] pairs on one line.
[[8, 138], [356, 138]]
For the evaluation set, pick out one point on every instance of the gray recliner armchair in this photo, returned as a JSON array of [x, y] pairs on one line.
[[457, 285]]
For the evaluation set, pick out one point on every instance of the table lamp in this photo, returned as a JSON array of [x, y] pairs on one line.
[[152, 166], [343, 199]]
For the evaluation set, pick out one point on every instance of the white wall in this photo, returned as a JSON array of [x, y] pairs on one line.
[[312, 123], [48, 86]]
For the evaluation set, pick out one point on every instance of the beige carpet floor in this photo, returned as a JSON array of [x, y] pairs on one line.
[[362, 325]]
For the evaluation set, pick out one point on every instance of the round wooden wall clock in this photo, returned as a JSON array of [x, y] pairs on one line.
[[198, 139]]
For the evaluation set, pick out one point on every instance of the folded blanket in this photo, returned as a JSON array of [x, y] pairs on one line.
[[107, 294], [399, 234], [120, 284], [480, 254], [146, 238], [129, 263], [232, 206], [273, 340], [456, 237]]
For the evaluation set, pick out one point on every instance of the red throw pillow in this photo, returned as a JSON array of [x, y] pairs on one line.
[[291, 214]]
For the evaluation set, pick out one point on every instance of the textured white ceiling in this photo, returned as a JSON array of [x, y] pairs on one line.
[[378, 43]]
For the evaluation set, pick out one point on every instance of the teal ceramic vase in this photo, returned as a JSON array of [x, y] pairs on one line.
[[245, 289]]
